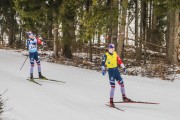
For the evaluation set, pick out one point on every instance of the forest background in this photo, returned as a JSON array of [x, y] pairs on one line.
[[146, 33]]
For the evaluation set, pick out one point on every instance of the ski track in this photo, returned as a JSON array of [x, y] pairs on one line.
[[83, 96]]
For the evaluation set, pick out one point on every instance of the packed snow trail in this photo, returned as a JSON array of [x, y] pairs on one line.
[[83, 96]]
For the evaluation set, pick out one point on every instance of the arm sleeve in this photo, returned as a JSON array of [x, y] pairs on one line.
[[39, 41], [120, 62], [104, 60]]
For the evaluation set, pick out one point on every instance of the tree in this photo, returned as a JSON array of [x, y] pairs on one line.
[[9, 23], [68, 15], [40, 16], [122, 25], [172, 36], [54, 7], [143, 29], [172, 43], [157, 24], [138, 54]]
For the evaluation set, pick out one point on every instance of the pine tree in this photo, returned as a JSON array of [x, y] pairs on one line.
[[122, 25], [8, 21], [68, 14], [172, 32]]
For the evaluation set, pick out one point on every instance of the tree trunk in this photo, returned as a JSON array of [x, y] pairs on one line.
[[2, 31], [172, 36], [99, 39], [127, 29], [109, 25], [11, 27], [20, 38], [142, 31], [149, 27], [154, 38], [145, 30], [56, 40], [90, 48], [68, 29], [50, 36], [136, 24], [114, 36], [122, 26]]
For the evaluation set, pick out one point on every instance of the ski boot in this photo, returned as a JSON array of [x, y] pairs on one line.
[[31, 76], [41, 77], [111, 103], [125, 99]]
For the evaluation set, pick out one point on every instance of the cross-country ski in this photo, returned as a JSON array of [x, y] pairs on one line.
[[49, 80], [141, 102]]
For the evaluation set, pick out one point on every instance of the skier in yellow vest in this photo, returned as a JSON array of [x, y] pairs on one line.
[[111, 61]]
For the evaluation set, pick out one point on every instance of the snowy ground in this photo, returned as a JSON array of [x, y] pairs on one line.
[[84, 95]]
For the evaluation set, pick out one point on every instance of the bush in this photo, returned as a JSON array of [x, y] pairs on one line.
[[1, 106], [159, 70]]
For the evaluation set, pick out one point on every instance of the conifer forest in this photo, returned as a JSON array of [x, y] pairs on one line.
[[146, 33]]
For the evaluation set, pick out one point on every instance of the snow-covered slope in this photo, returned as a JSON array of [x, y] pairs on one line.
[[83, 96]]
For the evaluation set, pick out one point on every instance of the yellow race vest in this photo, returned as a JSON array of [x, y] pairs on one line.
[[111, 60]]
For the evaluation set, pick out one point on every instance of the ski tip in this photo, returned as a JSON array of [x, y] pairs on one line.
[[115, 107], [33, 81]]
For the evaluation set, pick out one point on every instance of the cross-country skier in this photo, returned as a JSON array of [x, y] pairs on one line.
[[111, 60], [32, 43]]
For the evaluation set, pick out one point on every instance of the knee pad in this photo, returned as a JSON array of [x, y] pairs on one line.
[[32, 61], [121, 82], [32, 65], [38, 61], [112, 86], [112, 81]]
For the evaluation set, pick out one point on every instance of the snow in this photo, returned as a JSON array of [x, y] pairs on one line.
[[83, 96]]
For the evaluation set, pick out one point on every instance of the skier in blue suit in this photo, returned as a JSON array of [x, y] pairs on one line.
[[32, 43]]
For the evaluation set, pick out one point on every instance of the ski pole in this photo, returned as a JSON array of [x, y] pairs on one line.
[[24, 62]]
